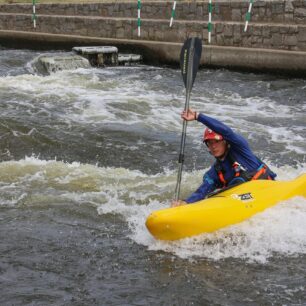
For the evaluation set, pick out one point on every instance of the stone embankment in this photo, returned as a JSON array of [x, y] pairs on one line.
[[275, 38]]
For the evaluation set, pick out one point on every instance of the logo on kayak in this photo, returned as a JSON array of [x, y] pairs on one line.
[[243, 197]]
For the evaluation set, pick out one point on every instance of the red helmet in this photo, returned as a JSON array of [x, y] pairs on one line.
[[210, 134]]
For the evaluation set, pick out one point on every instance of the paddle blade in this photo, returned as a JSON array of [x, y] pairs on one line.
[[190, 60]]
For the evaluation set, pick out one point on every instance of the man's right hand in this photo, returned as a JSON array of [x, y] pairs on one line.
[[189, 115], [178, 203]]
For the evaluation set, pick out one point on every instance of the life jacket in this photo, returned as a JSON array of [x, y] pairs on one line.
[[241, 175]]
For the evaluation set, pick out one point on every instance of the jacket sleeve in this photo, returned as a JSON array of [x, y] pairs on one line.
[[209, 184], [228, 134], [239, 146]]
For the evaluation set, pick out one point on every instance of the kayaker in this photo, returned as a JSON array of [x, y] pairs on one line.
[[235, 162]]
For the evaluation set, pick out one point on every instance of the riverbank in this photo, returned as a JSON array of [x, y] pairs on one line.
[[274, 40]]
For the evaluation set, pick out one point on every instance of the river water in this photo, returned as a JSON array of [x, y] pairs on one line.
[[87, 154]]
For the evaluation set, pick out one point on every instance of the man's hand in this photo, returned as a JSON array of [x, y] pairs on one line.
[[189, 115], [178, 203]]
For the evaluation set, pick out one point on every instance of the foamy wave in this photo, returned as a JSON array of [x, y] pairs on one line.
[[134, 195], [81, 183], [139, 98], [279, 231]]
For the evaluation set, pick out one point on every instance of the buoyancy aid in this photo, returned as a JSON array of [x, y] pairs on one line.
[[241, 175]]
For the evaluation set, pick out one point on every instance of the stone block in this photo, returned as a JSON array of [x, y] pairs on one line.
[[226, 13], [128, 13], [276, 40], [219, 27], [302, 46], [228, 30], [293, 29], [120, 33], [119, 23], [237, 39], [289, 7], [300, 13], [284, 30], [266, 32], [266, 42], [268, 13], [262, 12], [256, 31], [260, 4], [236, 15], [240, 5], [159, 35], [200, 12], [134, 34], [256, 41], [216, 8], [144, 33], [228, 41], [288, 18], [301, 35], [246, 42], [290, 40], [219, 40], [237, 29], [274, 29], [193, 8], [277, 8], [294, 48]]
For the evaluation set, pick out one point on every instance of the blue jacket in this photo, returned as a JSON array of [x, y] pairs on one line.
[[239, 150]]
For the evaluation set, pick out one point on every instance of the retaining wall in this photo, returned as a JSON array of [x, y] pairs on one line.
[[277, 28]]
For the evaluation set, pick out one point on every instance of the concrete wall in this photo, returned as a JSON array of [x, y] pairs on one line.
[[275, 37]]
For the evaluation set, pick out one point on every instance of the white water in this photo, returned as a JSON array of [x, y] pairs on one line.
[[104, 145], [86, 96], [278, 231]]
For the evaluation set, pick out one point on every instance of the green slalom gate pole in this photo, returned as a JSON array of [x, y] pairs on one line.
[[248, 16], [138, 20], [34, 13], [209, 26], [172, 13]]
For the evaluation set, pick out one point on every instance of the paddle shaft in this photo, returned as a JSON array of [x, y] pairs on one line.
[[181, 156], [189, 84]]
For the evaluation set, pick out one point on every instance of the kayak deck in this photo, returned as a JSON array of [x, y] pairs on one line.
[[223, 209]]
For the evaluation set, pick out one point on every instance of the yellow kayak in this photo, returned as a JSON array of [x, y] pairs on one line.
[[225, 208]]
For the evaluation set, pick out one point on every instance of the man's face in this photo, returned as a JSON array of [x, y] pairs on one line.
[[216, 147]]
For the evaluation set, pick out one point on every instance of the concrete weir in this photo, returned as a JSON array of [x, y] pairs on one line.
[[52, 63], [274, 40], [83, 57], [99, 56]]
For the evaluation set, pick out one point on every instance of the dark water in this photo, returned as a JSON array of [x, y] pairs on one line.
[[86, 155]]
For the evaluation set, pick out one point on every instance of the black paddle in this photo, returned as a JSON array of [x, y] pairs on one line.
[[189, 61]]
